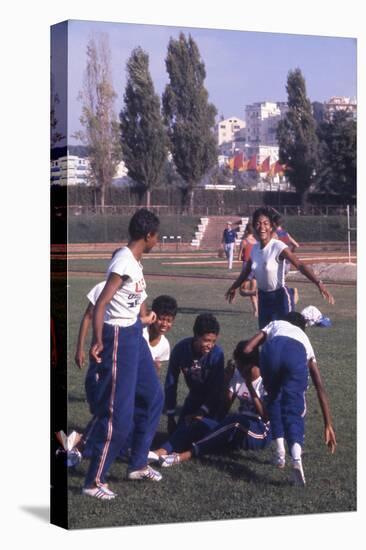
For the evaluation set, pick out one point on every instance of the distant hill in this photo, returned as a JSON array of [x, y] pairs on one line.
[[77, 150]]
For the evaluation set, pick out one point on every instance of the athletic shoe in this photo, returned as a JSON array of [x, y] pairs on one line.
[[146, 473], [298, 477], [166, 461], [72, 457], [152, 457], [102, 493], [279, 461]]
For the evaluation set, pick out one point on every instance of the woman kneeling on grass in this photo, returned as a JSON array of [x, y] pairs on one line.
[[248, 429]]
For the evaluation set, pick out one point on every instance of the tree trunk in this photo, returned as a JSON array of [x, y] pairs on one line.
[[304, 201], [102, 198], [191, 200], [148, 198]]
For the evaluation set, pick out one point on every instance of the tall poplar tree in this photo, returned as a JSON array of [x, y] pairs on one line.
[[189, 115], [143, 135], [101, 129], [337, 171], [296, 134]]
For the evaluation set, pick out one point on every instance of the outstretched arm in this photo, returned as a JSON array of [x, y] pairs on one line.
[[230, 293], [329, 434], [83, 331], [308, 272], [294, 243]]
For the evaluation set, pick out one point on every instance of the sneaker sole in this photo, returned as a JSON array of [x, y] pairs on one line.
[[146, 477], [298, 478]]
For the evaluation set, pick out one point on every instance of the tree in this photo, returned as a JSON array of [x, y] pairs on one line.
[[56, 136], [296, 134], [101, 129], [338, 154], [319, 112], [189, 116], [143, 135]]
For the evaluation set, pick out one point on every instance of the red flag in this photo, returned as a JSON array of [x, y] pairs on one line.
[[272, 169], [280, 168], [252, 164], [238, 161], [264, 166]]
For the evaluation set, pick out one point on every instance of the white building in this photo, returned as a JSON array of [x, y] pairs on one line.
[[230, 135], [74, 170], [338, 103], [70, 170], [261, 126]]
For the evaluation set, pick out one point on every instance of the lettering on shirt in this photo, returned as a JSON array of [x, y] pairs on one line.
[[140, 285]]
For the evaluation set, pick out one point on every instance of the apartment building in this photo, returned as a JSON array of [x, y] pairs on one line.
[[74, 170], [262, 119], [341, 103], [230, 135]]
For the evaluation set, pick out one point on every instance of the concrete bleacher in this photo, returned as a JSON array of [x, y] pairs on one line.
[[201, 228], [209, 233]]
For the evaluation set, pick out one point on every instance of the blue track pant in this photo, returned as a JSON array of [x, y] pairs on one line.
[[129, 397], [274, 305], [283, 365], [236, 431], [210, 436]]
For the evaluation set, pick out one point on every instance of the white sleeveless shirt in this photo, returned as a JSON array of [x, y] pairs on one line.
[[268, 269]]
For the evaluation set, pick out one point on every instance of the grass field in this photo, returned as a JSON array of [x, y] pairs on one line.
[[238, 485]]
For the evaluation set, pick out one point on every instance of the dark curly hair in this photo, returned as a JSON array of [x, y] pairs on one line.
[[245, 358], [142, 223], [165, 305], [205, 323], [263, 211]]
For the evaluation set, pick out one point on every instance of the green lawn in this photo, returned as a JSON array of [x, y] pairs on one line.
[[239, 485]]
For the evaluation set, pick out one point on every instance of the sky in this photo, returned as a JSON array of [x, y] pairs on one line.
[[242, 67]]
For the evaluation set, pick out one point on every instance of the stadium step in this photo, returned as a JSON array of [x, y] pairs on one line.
[[216, 224]]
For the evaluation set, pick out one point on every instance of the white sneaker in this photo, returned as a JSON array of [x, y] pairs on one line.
[[102, 493], [152, 457], [166, 461], [298, 477], [146, 473], [279, 461]]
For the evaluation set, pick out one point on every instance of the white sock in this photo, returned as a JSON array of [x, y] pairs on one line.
[[280, 446], [296, 451]]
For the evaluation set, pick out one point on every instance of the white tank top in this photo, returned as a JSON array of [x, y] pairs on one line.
[[269, 270]]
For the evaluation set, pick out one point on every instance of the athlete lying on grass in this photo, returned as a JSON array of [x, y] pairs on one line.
[[248, 429]]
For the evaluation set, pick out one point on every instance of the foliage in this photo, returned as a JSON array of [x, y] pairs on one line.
[[56, 136], [98, 118], [338, 152], [143, 136], [296, 134], [189, 115]]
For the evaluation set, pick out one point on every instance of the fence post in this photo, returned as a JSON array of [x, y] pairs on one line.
[[349, 235]]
